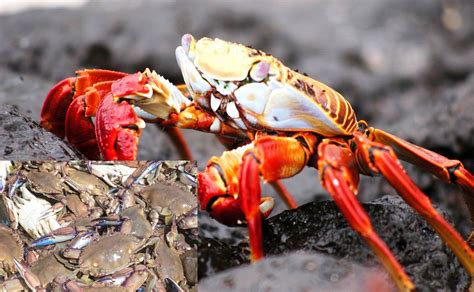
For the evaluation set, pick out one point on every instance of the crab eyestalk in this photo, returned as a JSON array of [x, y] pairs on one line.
[[133, 100]]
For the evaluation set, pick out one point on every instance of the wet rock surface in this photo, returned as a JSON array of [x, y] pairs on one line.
[[320, 227], [22, 139]]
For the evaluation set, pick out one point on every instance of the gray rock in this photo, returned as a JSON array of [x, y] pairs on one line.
[[320, 227], [23, 139], [300, 271]]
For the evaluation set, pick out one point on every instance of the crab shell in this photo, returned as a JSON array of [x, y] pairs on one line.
[[11, 247], [249, 89]]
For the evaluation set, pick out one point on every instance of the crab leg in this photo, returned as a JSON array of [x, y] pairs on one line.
[[229, 188], [278, 186], [340, 178], [451, 171], [383, 159], [179, 142]]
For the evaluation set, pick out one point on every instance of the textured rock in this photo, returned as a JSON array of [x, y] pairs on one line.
[[23, 139], [320, 227], [300, 272]]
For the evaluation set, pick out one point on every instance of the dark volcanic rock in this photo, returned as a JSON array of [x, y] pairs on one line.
[[23, 139], [299, 271], [215, 256], [320, 227]]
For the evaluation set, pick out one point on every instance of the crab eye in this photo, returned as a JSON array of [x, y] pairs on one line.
[[186, 42], [260, 71]]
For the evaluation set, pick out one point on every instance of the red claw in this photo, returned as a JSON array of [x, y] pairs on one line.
[[56, 105], [117, 129], [80, 129]]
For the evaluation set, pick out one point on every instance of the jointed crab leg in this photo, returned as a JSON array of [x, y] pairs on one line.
[[278, 186], [286, 196], [229, 188], [340, 178], [179, 142], [382, 158], [451, 171], [250, 200]]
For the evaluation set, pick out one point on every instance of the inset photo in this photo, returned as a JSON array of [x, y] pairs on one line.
[[80, 225]]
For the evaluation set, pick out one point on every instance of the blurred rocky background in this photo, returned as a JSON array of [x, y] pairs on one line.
[[406, 66]]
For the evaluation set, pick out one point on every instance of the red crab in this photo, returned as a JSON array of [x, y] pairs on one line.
[[274, 121]]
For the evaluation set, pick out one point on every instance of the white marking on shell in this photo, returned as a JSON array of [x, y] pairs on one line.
[[193, 79], [240, 124], [260, 71], [287, 108], [232, 110], [215, 126], [209, 79], [251, 119], [253, 97], [215, 103], [225, 88]]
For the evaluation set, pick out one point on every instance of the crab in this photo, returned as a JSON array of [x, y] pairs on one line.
[[32, 213], [274, 121], [11, 247]]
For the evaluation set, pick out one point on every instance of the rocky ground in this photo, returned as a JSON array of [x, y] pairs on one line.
[[406, 67]]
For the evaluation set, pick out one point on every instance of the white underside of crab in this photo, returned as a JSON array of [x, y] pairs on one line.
[[29, 211], [110, 173], [4, 169]]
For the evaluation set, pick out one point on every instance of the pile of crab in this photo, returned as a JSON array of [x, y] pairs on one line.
[[81, 225]]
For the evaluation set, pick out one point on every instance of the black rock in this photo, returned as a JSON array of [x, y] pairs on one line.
[[23, 139], [320, 227]]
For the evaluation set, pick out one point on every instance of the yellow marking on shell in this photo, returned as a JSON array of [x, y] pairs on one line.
[[343, 117], [223, 60], [226, 61]]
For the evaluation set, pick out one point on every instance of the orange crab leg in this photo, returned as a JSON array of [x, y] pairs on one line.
[[177, 138], [284, 194], [249, 200], [278, 186], [451, 171], [383, 159], [340, 178], [230, 185]]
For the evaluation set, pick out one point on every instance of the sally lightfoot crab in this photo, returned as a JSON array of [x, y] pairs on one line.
[[274, 121]]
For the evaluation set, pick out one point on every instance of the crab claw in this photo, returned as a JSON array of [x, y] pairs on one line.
[[222, 206], [80, 129], [31, 279], [59, 235], [117, 129], [122, 113], [56, 106]]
